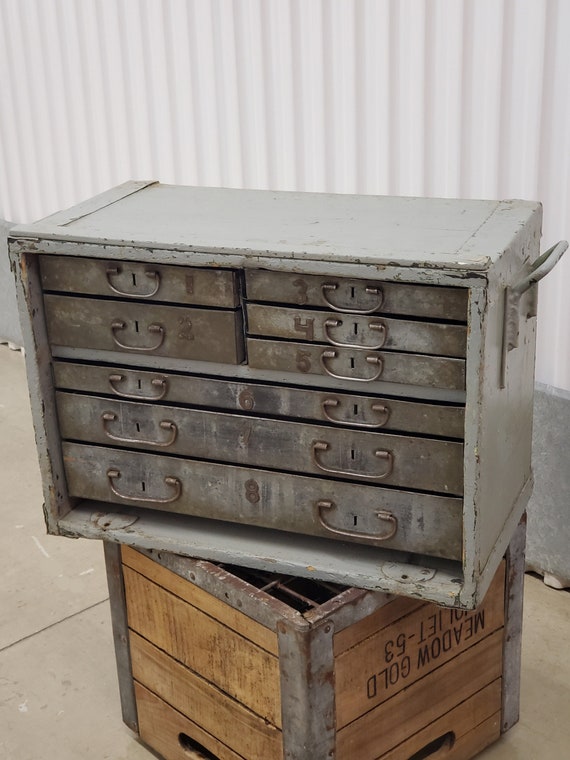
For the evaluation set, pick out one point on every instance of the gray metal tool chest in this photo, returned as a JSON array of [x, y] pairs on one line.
[[337, 387]]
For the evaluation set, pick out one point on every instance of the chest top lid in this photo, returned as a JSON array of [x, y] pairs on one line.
[[368, 229]]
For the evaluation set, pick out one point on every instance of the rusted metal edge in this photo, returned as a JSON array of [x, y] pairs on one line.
[[512, 641], [40, 384], [120, 627], [262, 549], [306, 663], [230, 589], [52, 241], [344, 609], [349, 607]]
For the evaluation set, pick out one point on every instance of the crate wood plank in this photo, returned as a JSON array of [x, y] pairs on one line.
[[426, 700], [476, 740], [197, 597], [474, 725], [211, 709], [232, 662], [393, 658], [163, 729], [398, 608]]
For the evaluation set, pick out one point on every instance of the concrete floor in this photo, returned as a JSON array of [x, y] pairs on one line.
[[58, 687]]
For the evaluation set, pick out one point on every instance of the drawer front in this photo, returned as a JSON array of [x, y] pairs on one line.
[[135, 279], [351, 295], [173, 331], [354, 410], [422, 463], [356, 331], [407, 521], [357, 364]]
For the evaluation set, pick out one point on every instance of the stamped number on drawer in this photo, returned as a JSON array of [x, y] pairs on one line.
[[175, 331], [373, 412], [357, 296], [420, 523], [356, 331], [138, 280], [357, 364]]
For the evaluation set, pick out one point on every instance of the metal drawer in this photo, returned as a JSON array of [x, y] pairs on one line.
[[354, 331], [354, 296], [412, 522], [351, 409], [135, 279], [357, 364], [174, 331], [399, 460]]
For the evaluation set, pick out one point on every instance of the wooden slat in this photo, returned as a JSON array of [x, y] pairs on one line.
[[382, 618], [219, 654], [476, 740], [395, 657], [475, 724], [203, 703], [425, 701], [161, 727], [189, 592]]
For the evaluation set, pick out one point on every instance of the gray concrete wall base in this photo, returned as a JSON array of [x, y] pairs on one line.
[[548, 537], [10, 331]]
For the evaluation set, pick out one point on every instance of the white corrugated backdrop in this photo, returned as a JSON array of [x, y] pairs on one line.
[[463, 98]]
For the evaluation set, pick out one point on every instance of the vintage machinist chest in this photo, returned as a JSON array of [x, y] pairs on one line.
[[337, 387]]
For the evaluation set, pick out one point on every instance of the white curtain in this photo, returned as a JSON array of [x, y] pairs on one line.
[[463, 98]]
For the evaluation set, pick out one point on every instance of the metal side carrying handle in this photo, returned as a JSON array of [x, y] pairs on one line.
[[541, 267], [513, 294]]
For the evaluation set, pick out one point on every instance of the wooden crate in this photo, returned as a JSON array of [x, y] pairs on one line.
[[226, 663]]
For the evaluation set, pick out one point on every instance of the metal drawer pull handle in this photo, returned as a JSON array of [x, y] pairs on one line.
[[382, 515], [372, 325], [374, 291], [542, 266], [370, 359], [158, 382], [386, 456], [118, 325], [164, 425], [169, 481], [114, 271], [382, 410]]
